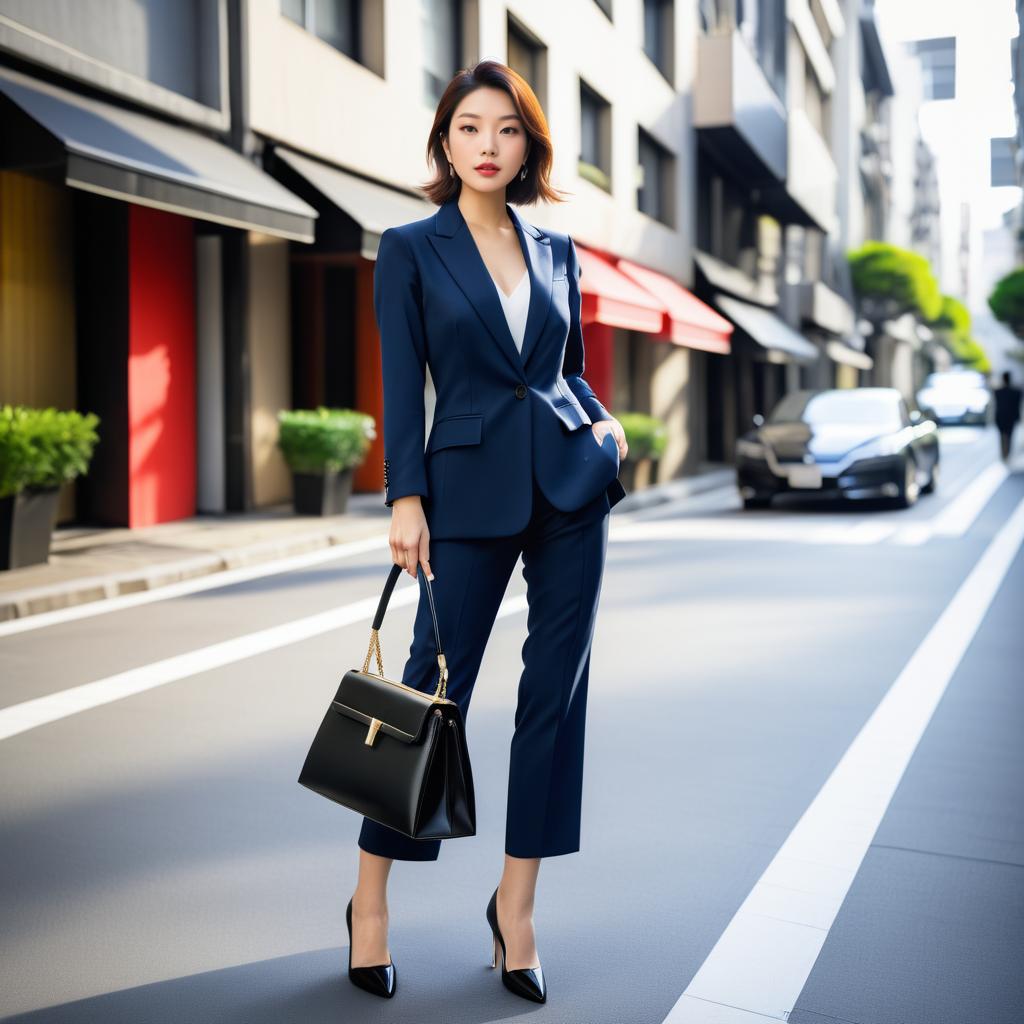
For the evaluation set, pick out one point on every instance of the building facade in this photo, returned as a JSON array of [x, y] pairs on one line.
[[199, 221]]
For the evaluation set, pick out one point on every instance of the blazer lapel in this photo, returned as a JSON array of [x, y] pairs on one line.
[[455, 245]]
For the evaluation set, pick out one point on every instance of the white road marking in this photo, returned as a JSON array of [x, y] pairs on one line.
[[28, 714], [959, 515], [762, 960], [210, 581]]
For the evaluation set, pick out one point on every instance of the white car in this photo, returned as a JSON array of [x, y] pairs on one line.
[[956, 396]]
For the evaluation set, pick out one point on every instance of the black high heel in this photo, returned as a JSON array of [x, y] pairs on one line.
[[527, 982], [380, 979]]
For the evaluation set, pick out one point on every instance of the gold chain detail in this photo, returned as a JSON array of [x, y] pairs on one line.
[[374, 647]]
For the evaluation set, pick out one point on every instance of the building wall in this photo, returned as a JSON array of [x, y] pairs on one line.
[[270, 364], [161, 367], [383, 134], [37, 314]]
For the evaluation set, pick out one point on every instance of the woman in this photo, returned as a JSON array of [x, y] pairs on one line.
[[522, 459]]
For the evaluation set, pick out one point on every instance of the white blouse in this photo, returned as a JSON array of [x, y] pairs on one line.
[[516, 306]]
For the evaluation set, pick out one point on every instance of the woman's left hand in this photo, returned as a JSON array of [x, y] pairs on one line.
[[613, 427]]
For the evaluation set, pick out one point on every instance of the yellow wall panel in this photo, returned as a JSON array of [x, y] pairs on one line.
[[37, 316]]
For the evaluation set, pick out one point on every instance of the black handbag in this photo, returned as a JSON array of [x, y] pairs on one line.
[[394, 753]]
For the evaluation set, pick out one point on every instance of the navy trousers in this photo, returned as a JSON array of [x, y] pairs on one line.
[[563, 564]]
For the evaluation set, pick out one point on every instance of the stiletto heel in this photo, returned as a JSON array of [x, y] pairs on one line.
[[527, 982], [379, 979]]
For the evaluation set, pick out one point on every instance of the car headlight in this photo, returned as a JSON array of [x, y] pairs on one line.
[[751, 449]]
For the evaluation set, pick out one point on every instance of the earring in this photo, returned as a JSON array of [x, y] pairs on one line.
[[451, 169], [522, 173]]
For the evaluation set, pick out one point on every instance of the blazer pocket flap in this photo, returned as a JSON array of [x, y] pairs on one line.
[[572, 414], [453, 430]]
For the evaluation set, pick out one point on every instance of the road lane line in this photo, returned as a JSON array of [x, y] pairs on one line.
[[761, 962], [29, 714], [195, 585], [959, 515]]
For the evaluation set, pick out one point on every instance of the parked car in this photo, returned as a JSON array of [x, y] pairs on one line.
[[956, 397], [851, 443]]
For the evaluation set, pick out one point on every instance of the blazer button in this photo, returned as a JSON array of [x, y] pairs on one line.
[[520, 391]]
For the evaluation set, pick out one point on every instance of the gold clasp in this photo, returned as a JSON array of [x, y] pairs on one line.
[[371, 734]]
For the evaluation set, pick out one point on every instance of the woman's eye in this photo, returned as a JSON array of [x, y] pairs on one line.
[[465, 127]]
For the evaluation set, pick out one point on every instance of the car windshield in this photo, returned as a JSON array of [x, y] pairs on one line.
[[967, 379], [851, 406]]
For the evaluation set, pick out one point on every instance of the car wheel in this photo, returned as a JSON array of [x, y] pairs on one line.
[[933, 479], [909, 487]]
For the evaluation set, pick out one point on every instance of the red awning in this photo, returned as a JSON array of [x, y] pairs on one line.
[[690, 322], [611, 298]]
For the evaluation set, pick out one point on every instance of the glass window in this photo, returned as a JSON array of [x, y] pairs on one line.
[[938, 66], [847, 405], [334, 21], [439, 20]]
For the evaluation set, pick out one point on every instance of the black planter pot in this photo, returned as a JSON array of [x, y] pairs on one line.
[[321, 494], [26, 526]]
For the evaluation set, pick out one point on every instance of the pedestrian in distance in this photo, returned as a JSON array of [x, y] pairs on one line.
[[1008, 398], [522, 459]]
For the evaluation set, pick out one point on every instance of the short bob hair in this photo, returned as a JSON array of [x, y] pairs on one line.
[[520, 191]]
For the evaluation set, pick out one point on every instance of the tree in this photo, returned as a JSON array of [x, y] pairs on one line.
[[890, 281]]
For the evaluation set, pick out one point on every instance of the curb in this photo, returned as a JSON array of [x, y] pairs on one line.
[[22, 604]]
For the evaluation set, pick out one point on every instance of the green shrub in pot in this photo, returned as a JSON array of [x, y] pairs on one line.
[[40, 449], [647, 437], [321, 447]]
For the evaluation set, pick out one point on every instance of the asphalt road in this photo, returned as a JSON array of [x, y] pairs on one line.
[[160, 863]]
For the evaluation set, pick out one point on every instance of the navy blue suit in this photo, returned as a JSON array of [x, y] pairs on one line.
[[501, 417], [511, 469]]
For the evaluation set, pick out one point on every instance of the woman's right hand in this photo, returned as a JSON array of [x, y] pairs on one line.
[[410, 535]]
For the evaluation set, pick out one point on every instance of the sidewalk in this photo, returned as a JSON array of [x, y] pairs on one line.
[[93, 564]]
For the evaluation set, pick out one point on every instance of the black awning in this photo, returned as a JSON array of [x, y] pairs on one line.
[[127, 155]]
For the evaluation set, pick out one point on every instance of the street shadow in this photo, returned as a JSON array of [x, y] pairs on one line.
[[310, 987]]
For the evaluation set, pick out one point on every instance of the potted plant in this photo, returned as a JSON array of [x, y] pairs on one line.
[[646, 437], [321, 447], [39, 450]]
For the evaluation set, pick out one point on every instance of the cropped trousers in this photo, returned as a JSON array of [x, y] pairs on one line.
[[563, 564]]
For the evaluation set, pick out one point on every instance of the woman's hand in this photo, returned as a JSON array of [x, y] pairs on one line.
[[410, 535], [613, 427]]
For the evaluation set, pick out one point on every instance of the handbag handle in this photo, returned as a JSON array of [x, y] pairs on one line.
[[378, 619]]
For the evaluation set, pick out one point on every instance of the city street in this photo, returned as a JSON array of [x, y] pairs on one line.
[[802, 797]]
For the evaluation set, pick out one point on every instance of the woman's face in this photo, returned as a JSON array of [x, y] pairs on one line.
[[485, 128]]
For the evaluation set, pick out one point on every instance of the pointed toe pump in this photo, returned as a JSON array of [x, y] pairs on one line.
[[527, 982], [380, 979]]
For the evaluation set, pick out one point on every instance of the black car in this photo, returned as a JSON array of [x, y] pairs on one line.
[[839, 442]]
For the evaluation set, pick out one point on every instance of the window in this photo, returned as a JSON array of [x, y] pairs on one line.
[[442, 36], [655, 178], [1004, 168], [726, 218], [334, 21], [527, 56], [762, 25], [938, 66], [659, 31], [595, 163]]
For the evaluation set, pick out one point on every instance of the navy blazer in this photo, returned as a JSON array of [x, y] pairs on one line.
[[500, 416]]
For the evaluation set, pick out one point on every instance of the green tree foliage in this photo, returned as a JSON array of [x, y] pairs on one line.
[[953, 328], [1007, 301], [891, 281]]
